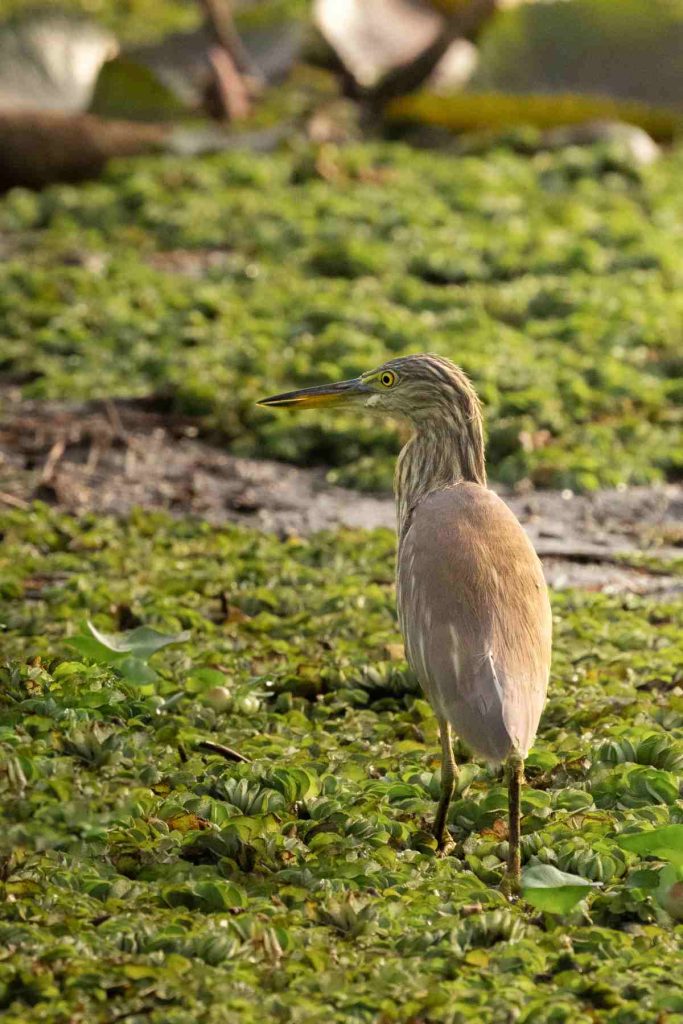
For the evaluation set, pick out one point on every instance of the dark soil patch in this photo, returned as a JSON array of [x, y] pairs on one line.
[[111, 457]]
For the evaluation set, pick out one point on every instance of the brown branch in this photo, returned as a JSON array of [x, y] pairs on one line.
[[229, 88], [220, 20]]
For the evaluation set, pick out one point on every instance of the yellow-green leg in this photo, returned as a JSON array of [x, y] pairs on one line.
[[515, 773], [449, 773]]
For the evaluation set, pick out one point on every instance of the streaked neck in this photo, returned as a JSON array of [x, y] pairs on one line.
[[441, 452]]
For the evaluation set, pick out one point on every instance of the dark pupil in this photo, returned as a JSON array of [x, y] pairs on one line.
[[386, 379]]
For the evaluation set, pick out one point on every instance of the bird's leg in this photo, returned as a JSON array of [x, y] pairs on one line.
[[515, 771], [449, 772]]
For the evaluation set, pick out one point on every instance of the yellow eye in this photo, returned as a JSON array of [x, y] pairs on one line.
[[387, 378]]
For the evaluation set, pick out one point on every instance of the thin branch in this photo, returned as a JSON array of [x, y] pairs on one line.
[[219, 17], [220, 748], [54, 456], [10, 499], [115, 420], [230, 89]]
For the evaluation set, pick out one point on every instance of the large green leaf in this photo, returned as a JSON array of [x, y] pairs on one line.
[[547, 888], [127, 652], [665, 843]]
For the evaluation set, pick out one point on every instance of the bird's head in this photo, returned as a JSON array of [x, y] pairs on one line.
[[418, 388]]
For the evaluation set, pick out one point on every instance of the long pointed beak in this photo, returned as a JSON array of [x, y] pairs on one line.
[[323, 395]]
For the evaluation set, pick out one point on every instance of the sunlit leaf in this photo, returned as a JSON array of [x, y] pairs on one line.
[[547, 888]]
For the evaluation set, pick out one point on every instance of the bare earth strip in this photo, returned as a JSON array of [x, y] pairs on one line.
[[109, 457]]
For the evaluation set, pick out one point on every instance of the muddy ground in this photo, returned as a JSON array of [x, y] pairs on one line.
[[111, 457]]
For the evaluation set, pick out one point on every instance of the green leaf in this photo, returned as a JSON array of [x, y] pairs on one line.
[[547, 888], [220, 895], [542, 760], [138, 972], [126, 88], [665, 843], [293, 783], [126, 652], [142, 642], [670, 891], [205, 679], [93, 650], [136, 671], [644, 878]]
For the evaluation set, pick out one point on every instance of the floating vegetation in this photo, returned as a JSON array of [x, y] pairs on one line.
[[555, 279], [146, 876]]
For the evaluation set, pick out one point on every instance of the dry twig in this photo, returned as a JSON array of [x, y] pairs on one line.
[[220, 748], [52, 460]]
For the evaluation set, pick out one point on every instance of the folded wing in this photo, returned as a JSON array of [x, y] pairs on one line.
[[475, 616]]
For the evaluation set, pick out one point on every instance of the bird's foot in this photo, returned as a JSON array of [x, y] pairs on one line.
[[445, 845]]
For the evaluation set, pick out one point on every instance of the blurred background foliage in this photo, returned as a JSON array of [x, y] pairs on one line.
[[628, 49], [555, 280], [339, 182], [133, 21]]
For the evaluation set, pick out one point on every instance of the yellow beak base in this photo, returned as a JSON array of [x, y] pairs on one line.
[[316, 397]]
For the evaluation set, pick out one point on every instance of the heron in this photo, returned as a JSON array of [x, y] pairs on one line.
[[472, 601]]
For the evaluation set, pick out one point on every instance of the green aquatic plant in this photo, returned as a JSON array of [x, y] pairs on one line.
[[145, 875], [553, 278]]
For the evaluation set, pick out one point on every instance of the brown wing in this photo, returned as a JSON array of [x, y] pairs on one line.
[[475, 616]]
